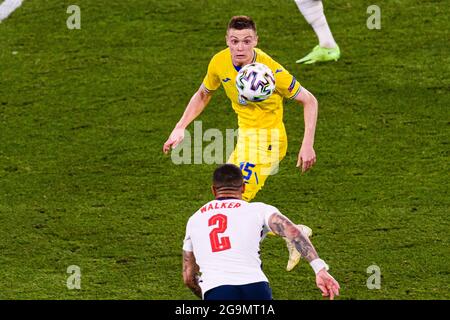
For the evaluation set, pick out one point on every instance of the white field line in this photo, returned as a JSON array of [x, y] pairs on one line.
[[7, 7]]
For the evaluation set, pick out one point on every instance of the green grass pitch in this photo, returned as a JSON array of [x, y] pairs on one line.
[[84, 114]]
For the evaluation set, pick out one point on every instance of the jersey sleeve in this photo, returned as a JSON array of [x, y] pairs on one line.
[[187, 243], [286, 84], [211, 82]]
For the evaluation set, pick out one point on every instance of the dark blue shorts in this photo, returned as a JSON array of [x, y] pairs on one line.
[[251, 291]]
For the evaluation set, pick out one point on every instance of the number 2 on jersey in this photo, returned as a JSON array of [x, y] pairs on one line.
[[223, 243]]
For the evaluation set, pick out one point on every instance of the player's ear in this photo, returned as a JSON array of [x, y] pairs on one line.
[[213, 190], [243, 188]]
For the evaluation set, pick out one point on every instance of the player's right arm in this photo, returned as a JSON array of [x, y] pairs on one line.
[[190, 267], [190, 273], [196, 105], [282, 226]]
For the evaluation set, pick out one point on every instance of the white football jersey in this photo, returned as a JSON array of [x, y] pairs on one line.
[[225, 236]]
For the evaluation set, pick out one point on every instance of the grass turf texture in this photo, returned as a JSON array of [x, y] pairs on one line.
[[84, 114]]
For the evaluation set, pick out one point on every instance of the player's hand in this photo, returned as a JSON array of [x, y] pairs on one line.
[[175, 138], [327, 284], [306, 158]]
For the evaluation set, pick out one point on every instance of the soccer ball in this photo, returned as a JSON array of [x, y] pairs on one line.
[[255, 82]]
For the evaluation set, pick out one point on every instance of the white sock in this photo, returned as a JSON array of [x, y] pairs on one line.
[[7, 7], [312, 10]]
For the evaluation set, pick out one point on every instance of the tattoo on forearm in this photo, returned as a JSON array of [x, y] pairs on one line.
[[277, 225], [285, 228], [305, 247]]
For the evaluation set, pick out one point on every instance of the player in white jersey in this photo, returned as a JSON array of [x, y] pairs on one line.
[[327, 49], [222, 244]]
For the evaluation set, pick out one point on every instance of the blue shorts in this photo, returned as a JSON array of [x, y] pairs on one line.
[[251, 291]]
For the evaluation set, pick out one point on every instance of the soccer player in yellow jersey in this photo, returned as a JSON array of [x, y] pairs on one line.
[[262, 140]]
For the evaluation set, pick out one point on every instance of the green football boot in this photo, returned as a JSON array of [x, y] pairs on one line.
[[319, 54]]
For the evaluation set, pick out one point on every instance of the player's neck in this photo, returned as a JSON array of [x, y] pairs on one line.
[[225, 196]]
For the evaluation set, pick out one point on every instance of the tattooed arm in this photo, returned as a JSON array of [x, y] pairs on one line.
[[285, 228], [190, 271], [282, 226]]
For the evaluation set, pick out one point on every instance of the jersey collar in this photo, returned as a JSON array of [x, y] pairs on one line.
[[227, 198]]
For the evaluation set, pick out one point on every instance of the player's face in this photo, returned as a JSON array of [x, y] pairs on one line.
[[241, 44]]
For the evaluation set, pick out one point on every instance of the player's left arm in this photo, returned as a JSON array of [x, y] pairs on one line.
[[284, 227], [307, 155], [190, 273]]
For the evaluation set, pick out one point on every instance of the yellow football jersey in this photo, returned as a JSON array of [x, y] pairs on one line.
[[260, 115]]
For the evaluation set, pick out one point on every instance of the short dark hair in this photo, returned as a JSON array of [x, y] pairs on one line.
[[241, 22], [228, 177]]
